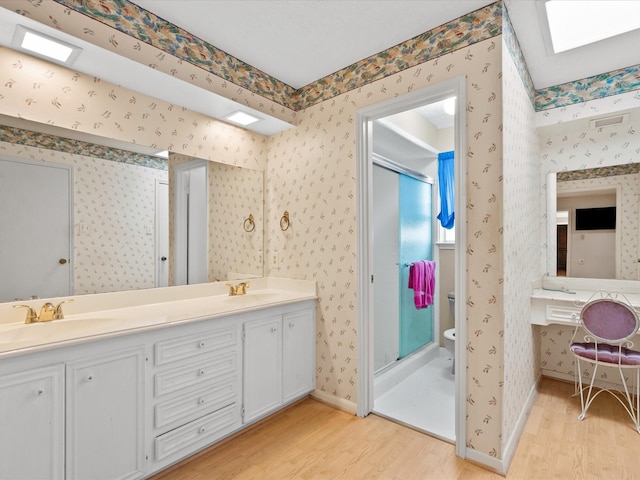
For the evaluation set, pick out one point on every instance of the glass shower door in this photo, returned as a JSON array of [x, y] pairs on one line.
[[416, 243]]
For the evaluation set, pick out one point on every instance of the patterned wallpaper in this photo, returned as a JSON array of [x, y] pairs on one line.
[[41, 92], [311, 174], [114, 205], [521, 184], [234, 194]]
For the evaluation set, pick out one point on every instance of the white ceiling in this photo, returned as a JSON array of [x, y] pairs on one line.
[[300, 41]]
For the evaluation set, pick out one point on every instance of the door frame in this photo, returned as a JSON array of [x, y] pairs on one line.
[[157, 229], [364, 195], [180, 248]]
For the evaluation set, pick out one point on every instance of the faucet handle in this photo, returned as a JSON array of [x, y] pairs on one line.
[[32, 316], [58, 314], [232, 289], [46, 312], [241, 288]]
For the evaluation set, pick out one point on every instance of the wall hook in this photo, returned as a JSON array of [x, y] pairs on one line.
[[284, 221], [249, 224]]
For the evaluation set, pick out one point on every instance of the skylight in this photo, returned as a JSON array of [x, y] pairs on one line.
[[574, 23]]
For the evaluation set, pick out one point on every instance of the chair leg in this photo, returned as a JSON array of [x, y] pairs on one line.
[[632, 410], [586, 402]]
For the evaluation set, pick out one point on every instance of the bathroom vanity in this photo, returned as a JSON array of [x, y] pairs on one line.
[[124, 392]]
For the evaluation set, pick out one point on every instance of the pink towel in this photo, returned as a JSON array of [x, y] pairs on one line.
[[422, 280]]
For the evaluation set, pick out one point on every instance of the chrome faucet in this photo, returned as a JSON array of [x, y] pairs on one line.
[[48, 312], [239, 289]]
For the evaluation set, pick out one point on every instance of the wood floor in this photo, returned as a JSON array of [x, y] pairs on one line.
[[313, 441]]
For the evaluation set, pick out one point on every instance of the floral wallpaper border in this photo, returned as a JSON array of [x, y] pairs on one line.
[[585, 174], [125, 16], [19, 136], [513, 46], [599, 86]]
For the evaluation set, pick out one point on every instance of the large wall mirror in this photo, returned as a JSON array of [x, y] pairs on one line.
[[116, 214], [592, 179]]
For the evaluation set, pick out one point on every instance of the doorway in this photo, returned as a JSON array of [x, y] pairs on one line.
[[191, 223], [365, 136], [36, 233]]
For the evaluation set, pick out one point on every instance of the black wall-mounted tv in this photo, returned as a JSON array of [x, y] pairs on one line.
[[603, 218]]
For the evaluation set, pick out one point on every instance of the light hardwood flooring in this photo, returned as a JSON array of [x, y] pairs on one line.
[[313, 441]]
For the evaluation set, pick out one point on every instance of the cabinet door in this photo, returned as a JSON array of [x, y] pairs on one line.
[[262, 367], [32, 424], [299, 357], [105, 416]]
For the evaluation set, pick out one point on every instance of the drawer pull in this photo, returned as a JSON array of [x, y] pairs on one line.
[[201, 401], [274, 329], [201, 344], [89, 378], [202, 430], [201, 372], [39, 392], [291, 324]]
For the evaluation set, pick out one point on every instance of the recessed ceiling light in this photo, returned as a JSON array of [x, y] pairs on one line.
[[449, 106], [44, 46], [242, 118], [574, 23]]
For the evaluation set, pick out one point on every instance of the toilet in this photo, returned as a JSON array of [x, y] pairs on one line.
[[450, 334]]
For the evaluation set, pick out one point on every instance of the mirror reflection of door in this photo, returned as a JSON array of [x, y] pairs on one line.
[[191, 223], [162, 233], [562, 232], [35, 229]]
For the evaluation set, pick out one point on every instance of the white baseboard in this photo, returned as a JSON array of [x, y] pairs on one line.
[[509, 448], [335, 402], [485, 461]]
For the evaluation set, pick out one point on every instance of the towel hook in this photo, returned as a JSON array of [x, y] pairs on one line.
[[284, 221], [249, 225]]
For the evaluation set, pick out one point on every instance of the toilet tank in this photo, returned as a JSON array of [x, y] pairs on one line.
[[452, 304]]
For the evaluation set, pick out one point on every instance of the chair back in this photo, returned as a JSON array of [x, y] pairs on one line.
[[609, 320]]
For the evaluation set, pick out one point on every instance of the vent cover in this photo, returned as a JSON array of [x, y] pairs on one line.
[[609, 121]]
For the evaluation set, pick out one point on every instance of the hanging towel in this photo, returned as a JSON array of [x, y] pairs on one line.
[[422, 280]]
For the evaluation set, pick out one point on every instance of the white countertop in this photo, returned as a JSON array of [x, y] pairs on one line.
[[140, 311], [558, 300]]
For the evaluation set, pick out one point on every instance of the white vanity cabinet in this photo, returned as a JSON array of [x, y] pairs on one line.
[[196, 379], [279, 359], [126, 404], [32, 424], [105, 416]]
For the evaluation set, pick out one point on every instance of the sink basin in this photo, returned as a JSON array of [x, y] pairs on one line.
[[54, 331]]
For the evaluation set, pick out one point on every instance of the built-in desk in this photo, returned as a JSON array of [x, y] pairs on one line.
[[558, 300], [555, 313]]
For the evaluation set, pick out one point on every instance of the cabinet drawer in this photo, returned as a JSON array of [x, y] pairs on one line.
[[212, 397], [186, 347], [192, 374], [563, 314], [197, 433]]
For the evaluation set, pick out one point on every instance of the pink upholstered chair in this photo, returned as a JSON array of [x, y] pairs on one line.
[[608, 322]]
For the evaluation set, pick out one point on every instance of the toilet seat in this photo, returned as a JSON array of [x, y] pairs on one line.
[[450, 334]]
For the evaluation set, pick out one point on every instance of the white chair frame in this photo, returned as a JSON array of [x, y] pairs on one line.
[[625, 398]]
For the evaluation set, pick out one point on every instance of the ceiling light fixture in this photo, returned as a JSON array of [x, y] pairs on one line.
[[162, 154], [449, 106], [44, 46], [241, 118], [574, 23]]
